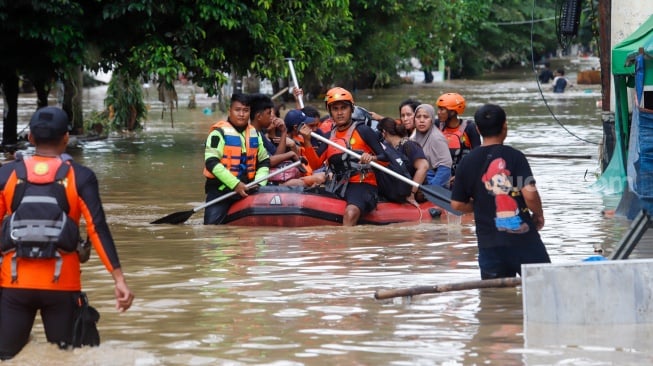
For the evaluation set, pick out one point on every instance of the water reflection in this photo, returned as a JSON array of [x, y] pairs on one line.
[[284, 296]]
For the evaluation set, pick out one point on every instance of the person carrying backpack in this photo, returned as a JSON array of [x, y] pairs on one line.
[[42, 199], [462, 135], [355, 181]]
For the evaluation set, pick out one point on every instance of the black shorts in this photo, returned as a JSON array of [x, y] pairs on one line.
[[362, 195]]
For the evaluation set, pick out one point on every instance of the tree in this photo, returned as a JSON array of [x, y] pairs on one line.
[[37, 42], [503, 36], [206, 38], [357, 43]]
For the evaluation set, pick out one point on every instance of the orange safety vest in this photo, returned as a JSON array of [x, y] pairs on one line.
[[38, 273], [352, 141], [458, 140], [232, 154]]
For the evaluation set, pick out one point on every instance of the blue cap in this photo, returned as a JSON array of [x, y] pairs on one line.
[[295, 118]]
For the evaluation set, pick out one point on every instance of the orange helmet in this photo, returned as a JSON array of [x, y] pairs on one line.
[[452, 101], [338, 94]]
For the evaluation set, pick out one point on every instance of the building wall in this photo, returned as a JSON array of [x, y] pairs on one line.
[[627, 16]]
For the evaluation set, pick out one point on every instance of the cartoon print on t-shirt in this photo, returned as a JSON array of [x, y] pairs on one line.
[[498, 183]]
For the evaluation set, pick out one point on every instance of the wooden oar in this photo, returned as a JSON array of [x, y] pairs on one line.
[[182, 216], [457, 286], [437, 197], [279, 93]]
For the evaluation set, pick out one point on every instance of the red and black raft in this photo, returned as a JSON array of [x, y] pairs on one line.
[[296, 207]]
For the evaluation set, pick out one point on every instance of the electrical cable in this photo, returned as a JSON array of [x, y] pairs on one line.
[[539, 86]]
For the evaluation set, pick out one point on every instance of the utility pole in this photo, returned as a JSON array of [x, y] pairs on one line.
[[605, 51]]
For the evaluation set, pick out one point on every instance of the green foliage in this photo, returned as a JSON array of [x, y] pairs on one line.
[[97, 123], [125, 102], [334, 41], [588, 32]]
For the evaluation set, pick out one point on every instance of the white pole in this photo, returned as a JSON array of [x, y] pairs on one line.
[[294, 79]]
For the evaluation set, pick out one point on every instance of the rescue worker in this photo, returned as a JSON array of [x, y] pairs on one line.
[[462, 135], [353, 180], [234, 156], [40, 268]]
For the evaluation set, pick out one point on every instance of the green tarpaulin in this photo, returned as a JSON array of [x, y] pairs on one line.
[[624, 53], [614, 178]]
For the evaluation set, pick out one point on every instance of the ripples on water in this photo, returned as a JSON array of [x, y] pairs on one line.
[[285, 296]]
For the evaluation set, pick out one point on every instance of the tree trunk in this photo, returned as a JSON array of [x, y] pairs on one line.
[[72, 99], [10, 118], [42, 91]]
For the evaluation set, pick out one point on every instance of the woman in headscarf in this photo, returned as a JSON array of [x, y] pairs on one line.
[[434, 144]]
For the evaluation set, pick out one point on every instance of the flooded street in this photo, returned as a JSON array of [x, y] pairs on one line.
[[225, 295]]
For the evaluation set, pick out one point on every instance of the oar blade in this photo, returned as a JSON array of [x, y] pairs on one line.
[[175, 218], [439, 196]]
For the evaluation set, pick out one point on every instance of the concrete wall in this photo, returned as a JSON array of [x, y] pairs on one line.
[[589, 293]]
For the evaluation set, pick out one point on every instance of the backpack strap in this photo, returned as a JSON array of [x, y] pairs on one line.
[[19, 191], [59, 190], [57, 267], [463, 125], [350, 132]]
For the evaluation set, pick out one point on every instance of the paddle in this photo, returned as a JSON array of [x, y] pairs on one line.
[[440, 196], [182, 216], [469, 285]]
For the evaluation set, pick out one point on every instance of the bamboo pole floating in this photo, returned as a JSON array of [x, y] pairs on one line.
[[558, 156], [457, 286]]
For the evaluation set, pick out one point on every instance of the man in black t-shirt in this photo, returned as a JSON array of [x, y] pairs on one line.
[[495, 182], [546, 75]]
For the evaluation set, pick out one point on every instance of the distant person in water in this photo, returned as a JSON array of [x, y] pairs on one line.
[[546, 75], [560, 82]]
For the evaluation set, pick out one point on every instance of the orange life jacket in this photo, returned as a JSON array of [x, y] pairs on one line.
[[458, 140], [65, 266], [352, 140], [326, 126], [232, 154]]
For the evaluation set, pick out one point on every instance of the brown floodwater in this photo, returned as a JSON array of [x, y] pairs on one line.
[[225, 295]]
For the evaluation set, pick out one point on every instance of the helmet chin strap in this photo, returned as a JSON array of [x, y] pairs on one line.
[[452, 116]]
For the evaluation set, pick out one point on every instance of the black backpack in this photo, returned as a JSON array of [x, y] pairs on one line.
[[391, 187], [39, 224]]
